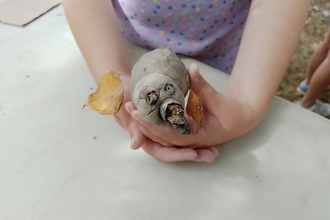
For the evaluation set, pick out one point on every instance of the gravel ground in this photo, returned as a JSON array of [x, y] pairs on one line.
[[317, 24]]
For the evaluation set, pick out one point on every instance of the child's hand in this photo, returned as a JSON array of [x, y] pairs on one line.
[[126, 121], [224, 118], [168, 153]]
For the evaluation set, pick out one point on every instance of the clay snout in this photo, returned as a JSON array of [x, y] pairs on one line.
[[150, 93]]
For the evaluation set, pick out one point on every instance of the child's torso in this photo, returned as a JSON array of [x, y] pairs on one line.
[[207, 29]]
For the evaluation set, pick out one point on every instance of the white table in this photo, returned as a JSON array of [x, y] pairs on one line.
[[59, 162]]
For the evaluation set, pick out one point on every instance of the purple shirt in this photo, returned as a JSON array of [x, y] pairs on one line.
[[208, 30]]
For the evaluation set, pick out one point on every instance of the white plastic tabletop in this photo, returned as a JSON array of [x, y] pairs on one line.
[[59, 162]]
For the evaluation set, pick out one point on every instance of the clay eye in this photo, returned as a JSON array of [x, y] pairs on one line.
[[169, 89], [151, 98]]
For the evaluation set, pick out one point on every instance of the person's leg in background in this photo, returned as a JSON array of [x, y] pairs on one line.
[[316, 59], [318, 79]]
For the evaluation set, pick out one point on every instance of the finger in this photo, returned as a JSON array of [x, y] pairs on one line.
[[214, 150], [119, 121], [153, 132], [169, 154], [200, 86], [144, 127], [157, 132], [133, 112], [205, 155], [154, 138], [163, 134], [192, 124], [137, 138]]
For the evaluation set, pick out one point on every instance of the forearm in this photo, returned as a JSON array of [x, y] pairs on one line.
[[95, 28], [270, 38]]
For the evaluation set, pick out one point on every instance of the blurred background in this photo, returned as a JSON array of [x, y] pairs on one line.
[[317, 24]]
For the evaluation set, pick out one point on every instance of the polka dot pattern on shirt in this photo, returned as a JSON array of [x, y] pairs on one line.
[[209, 30]]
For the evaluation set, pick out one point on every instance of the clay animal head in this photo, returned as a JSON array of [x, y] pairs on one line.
[[159, 85]]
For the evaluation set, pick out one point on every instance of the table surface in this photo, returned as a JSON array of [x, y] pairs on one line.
[[59, 162]]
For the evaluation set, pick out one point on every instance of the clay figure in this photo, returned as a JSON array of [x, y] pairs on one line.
[[159, 84]]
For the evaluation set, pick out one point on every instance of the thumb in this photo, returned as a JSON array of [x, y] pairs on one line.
[[200, 86]]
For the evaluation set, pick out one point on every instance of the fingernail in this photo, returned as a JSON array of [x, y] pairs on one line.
[[193, 156], [197, 74], [133, 140], [128, 109], [197, 69]]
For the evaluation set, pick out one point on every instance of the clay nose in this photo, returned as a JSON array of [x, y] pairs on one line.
[[172, 112]]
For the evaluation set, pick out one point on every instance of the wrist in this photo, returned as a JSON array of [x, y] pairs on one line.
[[241, 116]]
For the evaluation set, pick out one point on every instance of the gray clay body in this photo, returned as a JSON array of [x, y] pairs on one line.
[[159, 78]]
